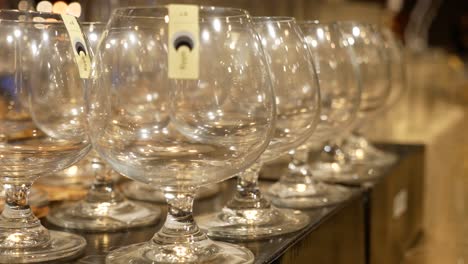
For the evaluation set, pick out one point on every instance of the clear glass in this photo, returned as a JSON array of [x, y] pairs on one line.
[[45, 98], [104, 208], [249, 215], [395, 52], [76, 177], [356, 160], [81, 174], [356, 146], [340, 92], [180, 134], [397, 106], [145, 192]]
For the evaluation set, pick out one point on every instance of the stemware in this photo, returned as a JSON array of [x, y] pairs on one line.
[[394, 103], [346, 162], [80, 174], [180, 130], [394, 48], [359, 149], [45, 97], [249, 215], [104, 208], [340, 94]]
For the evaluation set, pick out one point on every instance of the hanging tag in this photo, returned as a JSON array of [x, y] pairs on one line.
[[79, 45], [183, 42]]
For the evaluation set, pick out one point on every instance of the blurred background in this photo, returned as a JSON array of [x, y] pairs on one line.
[[420, 23], [431, 111], [436, 28]]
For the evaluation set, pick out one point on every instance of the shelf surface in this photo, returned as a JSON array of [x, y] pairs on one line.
[[265, 251]]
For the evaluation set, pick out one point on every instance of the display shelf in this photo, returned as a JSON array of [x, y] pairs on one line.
[[337, 234]]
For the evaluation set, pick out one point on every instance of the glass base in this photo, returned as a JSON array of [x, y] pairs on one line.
[[252, 224], [307, 195], [104, 216], [144, 192], [344, 173], [61, 246], [361, 151], [205, 251]]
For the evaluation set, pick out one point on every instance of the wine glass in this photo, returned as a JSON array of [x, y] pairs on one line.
[[249, 215], [47, 98], [394, 49], [176, 130], [349, 161], [81, 174], [104, 208], [340, 94]]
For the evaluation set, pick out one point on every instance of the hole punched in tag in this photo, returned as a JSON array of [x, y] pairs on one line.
[[183, 39], [80, 48]]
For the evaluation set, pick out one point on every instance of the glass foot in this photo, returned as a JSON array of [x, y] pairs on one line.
[[252, 224], [144, 192], [104, 216], [206, 251], [61, 246], [347, 173], [372, 157], [361, 151], [307, 195]]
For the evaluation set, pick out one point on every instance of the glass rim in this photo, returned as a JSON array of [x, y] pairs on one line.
[[259, 19], [315, 24], [352, 22], [121, 12], [88, 23], [30, 13], [311, 22]]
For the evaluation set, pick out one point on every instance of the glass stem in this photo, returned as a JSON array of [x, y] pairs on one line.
[[248, 194], [103, 188], [19, 228], [179, 227], [299, 171]]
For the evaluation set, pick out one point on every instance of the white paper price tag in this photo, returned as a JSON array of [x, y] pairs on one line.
[[79, 45], [183, 42], [400, 203]]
